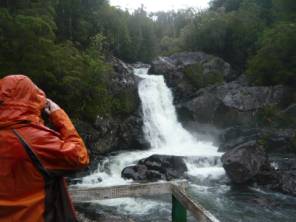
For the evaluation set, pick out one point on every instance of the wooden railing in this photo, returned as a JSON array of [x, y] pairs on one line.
[[180, 200]]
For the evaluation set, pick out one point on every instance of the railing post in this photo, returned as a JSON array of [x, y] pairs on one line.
[[179, 213]]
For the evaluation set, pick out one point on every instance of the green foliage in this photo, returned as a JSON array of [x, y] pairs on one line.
[[169, 46], [268, 116], [285, 9], [272, 116], [275, 61], [227, 35], [61, 45], [196, 76], [125, 103]]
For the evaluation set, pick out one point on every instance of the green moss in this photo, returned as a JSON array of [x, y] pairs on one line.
[[214, 78], [267, 115], [196, 76], [125, 103], [272, 116]]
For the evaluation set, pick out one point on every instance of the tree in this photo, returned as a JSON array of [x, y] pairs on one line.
[[275, 61]]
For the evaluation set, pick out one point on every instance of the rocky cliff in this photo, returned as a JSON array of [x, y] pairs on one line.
[[255, 124]]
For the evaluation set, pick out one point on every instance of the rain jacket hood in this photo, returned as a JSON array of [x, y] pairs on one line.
[[20, 99]]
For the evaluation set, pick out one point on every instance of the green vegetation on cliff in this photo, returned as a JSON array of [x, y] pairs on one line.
[[63, 45]]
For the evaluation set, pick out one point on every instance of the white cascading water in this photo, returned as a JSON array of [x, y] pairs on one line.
[[165, 135], [161, 127]]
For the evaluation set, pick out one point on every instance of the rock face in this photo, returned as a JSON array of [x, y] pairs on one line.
[[273, 140], [244, 162], [231, 104], [156, 167], [123, 132], [116, 134], [166, 65], [177, 70], [224, 100]]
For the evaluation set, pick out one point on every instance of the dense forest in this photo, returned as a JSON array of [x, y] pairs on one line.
[[64, 45]]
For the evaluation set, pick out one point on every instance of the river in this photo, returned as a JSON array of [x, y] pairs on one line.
[[207, 179]]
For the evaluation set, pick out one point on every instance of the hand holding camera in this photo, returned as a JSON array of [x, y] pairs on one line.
[[51, 106]]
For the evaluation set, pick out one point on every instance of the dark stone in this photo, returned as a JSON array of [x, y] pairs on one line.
[[88, 212], [122, 78], [244, 162], [173, 69], [122, 131], [130, 134], [156, 167], [288, 182], [248, 164], [137, 172], [172, 166], [273, 140], [231, 104], [283, 163], [279, 141], [164, 65]]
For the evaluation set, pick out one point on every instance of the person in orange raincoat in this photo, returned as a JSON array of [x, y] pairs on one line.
[[34, 158]]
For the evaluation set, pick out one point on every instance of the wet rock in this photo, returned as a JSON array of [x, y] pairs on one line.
[[231, 104], [165, 65], [244, 162], [273, 140], [122, 77], [283, 181], [87, 212], [140, 65], [288, 182], [234, 136], [283, 163], [174, 70], [156, 167], [141, 173], [119, 134], [130, 134], [122, 131], [248, 164]]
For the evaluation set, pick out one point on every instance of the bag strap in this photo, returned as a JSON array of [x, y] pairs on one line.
[[35, 160]]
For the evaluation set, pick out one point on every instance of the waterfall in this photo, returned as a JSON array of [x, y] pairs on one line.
[[166, 136], [205, 174], [161, 126]]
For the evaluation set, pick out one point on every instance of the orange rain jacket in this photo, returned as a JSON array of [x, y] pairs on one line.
[[33, 158]]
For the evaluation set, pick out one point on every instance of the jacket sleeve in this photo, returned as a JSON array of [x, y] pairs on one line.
[[61, 151], [71, 147]]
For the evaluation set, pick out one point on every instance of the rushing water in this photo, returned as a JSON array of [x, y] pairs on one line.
[[208, 183]]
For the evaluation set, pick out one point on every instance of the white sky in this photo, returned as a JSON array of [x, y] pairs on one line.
[[160, 5]]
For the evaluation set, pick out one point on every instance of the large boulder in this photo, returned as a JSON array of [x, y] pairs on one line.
[[186, 72], [273, 140], [244, 162], [248, 164], [231, 104], [210, 63], [156, 167], [119, 134], [281, 177], [122, 76]]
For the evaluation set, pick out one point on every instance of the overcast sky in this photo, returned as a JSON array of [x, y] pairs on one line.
[[160, 5]]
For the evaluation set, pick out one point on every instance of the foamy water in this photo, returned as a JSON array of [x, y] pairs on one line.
[[166, 136]]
